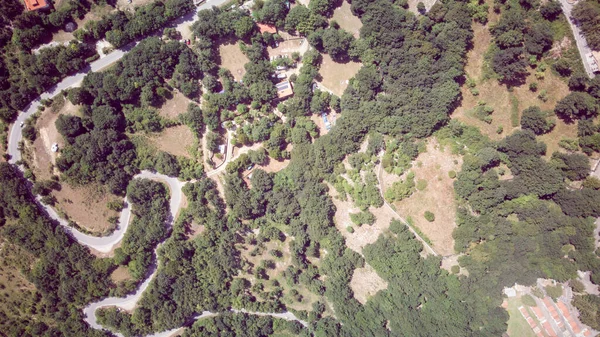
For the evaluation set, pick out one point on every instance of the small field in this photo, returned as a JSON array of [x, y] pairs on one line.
[[43, 157], [233, 59], [120, 274], [364, 234], [86, 206], [95, 14], [437, 197], [412, 5], [174, 140], [517, 325], [366, 283], [347, 21], [174, 107], [335, 75], [508, 106]]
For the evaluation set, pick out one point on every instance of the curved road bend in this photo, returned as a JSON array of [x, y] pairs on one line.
[[73, 80]]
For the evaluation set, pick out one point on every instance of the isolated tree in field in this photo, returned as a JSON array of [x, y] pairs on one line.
[[535, 119]]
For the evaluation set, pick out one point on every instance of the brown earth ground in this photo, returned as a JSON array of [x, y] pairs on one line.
[[366, 283], [43, 157], [175, 106], [498, 97], [364, 234], [286, 48], [433, 166], [86, 206], [334, 75], [175, 140], [120, 274], [233, 59], [347, 21], [318, 120]]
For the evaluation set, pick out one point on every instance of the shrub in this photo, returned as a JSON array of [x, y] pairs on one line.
[[452, 174], [421, 184], [429, 216], [577, 286], [554, 291], [455, 269]]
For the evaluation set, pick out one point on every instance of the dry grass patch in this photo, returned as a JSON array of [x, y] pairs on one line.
[[365, 234], [174, 140], [286, 48], [335, 75], [175, 106], [43, 157], [366, 283], [347, 21], [86, 206], [120, 274], [498, 97], [438, 197], [233, 59]]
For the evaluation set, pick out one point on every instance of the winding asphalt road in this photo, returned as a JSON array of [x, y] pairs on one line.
[[106, 244]]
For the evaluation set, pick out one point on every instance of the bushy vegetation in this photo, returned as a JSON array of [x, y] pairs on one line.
[[587, 14]]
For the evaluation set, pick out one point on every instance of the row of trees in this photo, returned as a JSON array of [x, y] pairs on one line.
[[587, 14]]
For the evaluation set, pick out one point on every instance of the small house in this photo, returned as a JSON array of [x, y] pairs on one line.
[[284, 89], [33, 5]]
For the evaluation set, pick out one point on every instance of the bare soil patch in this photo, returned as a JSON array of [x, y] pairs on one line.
[[175, 106], [43, 157], [365, 234], [336, 75], [86, 206], [120, 274], [174, 140], [366, 283], [233, 59], [438, 197], [412, 5], [286, 48], [195, 230], [274, 165], [347, 21]]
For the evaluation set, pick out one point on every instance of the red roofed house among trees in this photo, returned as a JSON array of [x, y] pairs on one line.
[[33, 5], [264, 28]]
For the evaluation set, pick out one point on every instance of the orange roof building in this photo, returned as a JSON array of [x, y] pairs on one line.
[[33, 5], [265, 28]]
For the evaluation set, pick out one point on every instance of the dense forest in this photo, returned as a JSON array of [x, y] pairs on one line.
[[509, 230], [587, 14]]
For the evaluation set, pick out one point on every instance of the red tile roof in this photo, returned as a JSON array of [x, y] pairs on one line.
[[267, 28], [35, 4]]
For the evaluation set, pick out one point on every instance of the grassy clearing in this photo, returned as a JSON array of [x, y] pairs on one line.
[[508, 105], [174, 107], [335, 75], [437, 197], [178, 140], [347, 21], [517, 325], [233, 59], [366, 283]]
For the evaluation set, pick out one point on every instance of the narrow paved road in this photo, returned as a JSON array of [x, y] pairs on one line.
[[15, 136], [584, 49]]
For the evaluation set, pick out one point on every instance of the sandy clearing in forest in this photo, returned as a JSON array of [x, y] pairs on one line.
[[347, 21], [233, 59], [335, 75], [366, 283], [175, 106], [120, 274], [438, 197], [174, 140]]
